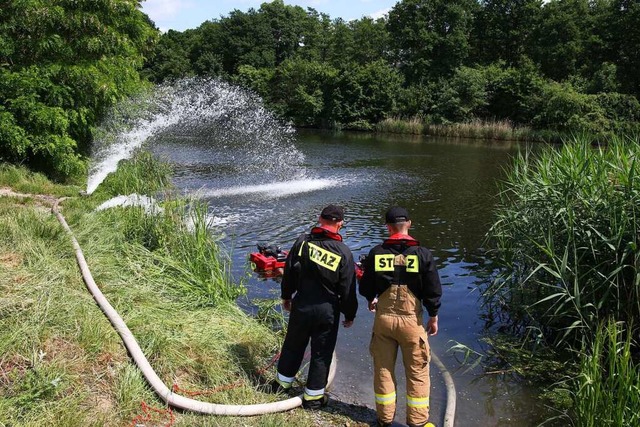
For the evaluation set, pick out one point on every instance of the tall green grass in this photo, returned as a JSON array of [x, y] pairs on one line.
[[24, 181], [607, 390], [566, 239]]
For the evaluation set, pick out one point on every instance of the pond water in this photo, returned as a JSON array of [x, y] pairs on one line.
[[449, 187]]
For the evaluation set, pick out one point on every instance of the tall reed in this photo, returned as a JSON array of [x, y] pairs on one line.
[[566, 239], [476, 128], [412, 126], [608, 385]]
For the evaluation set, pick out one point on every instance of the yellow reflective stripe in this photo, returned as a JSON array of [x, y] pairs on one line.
[[323, 257], [418, 402], [285, 382], [313, 394], [300, 250], [411, 261], [386, 399], [384, 262]]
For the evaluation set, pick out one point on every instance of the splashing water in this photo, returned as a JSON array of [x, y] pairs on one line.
[[274, 189], [229, 117]]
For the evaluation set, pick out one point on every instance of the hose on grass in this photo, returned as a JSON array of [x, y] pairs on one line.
[[161, 389], [178, 401]]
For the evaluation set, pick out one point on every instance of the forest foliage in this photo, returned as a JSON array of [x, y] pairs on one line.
[[564, 65], [62, 64], [568, 66]]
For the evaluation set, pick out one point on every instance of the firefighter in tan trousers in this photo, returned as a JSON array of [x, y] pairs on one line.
[[400, 277]]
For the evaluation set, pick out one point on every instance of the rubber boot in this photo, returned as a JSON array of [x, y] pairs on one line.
[[315, 404]]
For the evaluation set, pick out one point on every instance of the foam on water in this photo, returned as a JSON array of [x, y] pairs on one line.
[[229, 117], [273, 189]]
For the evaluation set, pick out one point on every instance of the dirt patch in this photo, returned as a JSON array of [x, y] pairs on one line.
[[10, 260], [40, 200], [12, 369]]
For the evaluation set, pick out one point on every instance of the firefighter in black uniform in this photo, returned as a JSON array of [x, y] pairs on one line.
[[318, 284], [400, 276]]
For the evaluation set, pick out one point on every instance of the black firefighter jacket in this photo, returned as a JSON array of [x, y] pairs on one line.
[[320, 268], [417, 271]]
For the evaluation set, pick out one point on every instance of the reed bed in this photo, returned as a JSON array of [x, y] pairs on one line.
[[412, 126], [501, 130], [566, 239]]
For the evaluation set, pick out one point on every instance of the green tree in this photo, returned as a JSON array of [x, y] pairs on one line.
[[301, 90], [628, 38], [514, 92], [430, 37], [503, 30], [462, 97], [560, 38], [169, 59], [204, 46], [364, 94], [288, 24], [62, 63], [245, 39]]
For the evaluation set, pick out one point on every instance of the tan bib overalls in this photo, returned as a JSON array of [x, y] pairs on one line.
[[398, 322]]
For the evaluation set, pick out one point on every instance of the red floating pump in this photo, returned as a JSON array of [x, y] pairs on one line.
[[268, 258], [269, 261]]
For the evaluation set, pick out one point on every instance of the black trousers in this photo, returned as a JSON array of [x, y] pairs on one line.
[[316, 322]]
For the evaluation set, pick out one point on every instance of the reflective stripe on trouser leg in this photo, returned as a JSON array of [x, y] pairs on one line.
[[285, 382], [313, 394], [416, 355], [384, 350]]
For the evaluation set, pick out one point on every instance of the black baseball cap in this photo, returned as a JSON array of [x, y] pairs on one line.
[[396, 214], [333, 213]]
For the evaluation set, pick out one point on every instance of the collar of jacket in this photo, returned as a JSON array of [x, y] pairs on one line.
[[401, 239], [323, 232]]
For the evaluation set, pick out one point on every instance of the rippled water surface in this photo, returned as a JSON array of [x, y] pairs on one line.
[[449, 186]]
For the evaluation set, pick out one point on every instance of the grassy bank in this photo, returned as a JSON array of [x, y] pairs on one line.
[[61, 362]]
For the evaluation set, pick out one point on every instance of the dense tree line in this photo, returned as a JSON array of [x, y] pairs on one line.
[[62, 64], [566, 65]]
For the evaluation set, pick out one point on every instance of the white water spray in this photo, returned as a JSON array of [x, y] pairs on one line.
[[274, 189], [227, 116]]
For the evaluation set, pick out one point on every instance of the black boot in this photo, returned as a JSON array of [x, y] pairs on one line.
[[316, 404]]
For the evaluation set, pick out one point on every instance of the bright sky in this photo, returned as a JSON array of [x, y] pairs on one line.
[[184, 14]]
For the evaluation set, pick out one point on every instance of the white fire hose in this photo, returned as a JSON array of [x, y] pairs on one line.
[[141, 361], [193, 405]]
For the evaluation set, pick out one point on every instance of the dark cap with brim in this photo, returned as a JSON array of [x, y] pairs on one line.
[[396, 214], [333, 213]]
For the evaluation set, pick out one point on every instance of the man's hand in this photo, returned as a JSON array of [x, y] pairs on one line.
[[347, 323], [373, 304], [432, 326], [286, 304]]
